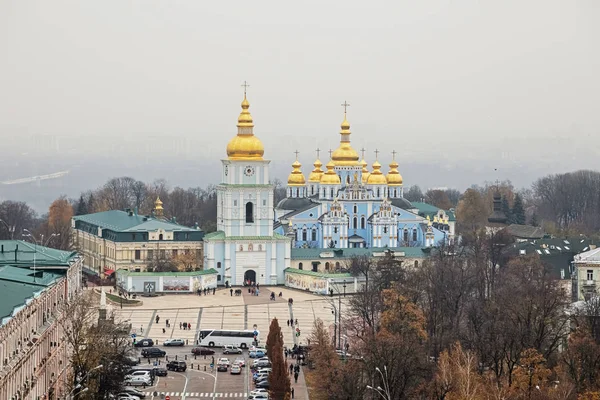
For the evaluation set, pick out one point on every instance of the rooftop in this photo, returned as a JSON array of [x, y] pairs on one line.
[[125, 273], [525, 231], [122, 221], [19, 252], [308, 254], [589, 257], [319, 274], [220, 235]]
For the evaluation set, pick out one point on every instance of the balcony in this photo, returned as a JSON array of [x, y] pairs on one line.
[[590, 283]]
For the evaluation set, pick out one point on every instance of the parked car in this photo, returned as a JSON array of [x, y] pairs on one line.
[[262, 364], [263, 384], [131, 360], [138, 381], [135, 373], [255, 362], [179, 366], [235, 369], [224, 360], [174, 342], [229, 349], [259, 396], [202, 351], [153, 352], [222, 367], [260, 377], [257, 354], [263, 370], [127, 396], [240, 361], [133, 391], [259, 391], [143, 342]]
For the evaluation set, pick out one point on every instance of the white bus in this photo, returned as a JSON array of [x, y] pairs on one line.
[[223, 337]]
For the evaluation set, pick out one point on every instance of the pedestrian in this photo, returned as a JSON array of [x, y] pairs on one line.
[[164, 330], [291, 369], [231, 292], [297, 368], [292, 393], [288, 321], [189, 325], [157, 319], [296, 377], [142, 329], [180, 325], [296, 323], [214, 290], [286, 353], [258, 286], [184, 326]]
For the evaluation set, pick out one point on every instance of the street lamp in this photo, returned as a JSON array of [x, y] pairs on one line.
[[385, 391], [78, 386], [36, 242], [11, 229]]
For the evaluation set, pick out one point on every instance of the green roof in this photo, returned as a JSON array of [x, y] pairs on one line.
[[18, 284], [19, 252], [122, 221], [311, 254], [320, 274], [244, 185], [220, 235], [124, 272], [424, 207]]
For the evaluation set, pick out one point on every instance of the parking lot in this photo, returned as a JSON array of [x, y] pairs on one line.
[[215, 312]]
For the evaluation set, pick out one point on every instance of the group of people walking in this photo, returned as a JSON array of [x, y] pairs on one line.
[[206, 291]]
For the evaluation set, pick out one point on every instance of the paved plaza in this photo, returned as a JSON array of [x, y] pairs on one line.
[[221, 311]]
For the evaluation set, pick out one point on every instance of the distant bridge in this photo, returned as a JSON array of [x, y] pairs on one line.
[[35, 178]]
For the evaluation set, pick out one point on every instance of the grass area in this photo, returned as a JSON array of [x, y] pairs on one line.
[[117, 299]]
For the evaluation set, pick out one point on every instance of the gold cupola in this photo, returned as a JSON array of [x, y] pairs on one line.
[[376, 177], [330, 177], [345, 155], [296, 177], [365, 171], [245, 146], [315, 175], [393, 177], [158, 208]]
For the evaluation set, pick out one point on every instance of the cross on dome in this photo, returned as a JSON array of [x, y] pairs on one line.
[[245, 85], [345, 105], [376, 154], [330, 153], [296, 152], [363, 152], [393, 154], [318, 151]]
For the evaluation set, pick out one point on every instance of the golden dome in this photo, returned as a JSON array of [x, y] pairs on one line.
[[393, 177], [315, 175], [330, 177], [345, 155], [376, 177], [245, 146], [158, 208], [296, 178], [365, 171]]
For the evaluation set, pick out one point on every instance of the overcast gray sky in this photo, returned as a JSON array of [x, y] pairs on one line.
[[482, 83]]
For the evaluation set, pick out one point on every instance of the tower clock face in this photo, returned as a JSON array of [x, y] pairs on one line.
[[249, 170]]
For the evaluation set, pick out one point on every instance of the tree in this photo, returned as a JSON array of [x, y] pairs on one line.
[[59, 223], [582, 360], [471, 212], [95, 343], [279, 379], [534, 220], [414, 193], [438, 198], [453, 196], [507, 211], [162, 263], [518, 212], [16, 216], [81, 207], [186, 261]]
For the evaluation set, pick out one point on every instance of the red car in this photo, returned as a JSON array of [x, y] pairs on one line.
[[202, 351]]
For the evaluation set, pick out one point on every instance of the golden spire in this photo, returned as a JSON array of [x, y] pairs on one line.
[[245, 146], [330, 177], [158, 208], [315, 175], [376, 177], [428, 221], [365, 170], [296, 177], [393, 177], [345, 155]]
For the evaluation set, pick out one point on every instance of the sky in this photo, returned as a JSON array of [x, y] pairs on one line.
[[458, 88]]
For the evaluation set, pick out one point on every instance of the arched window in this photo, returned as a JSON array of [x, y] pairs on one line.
[[299, 265], [405, 238], [312, 190], [313, 235], [337, 265], [218, 277], [249, 212], [355, 223], [378, 192], [416, 264], [335, 230], [355, 209], [219, 264], [304, 238], [362, 222], [348, 179], [332, 193], [414, 235], [385, 229], [395, 193], [327, 266], [160, 236]]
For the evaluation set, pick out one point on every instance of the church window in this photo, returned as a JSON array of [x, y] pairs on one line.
[[362, 222], [337, 265], [299, 265], [313, 235], [378, 192], [315, 267], [250, 247], [138, 254], [335, 230], [348, 179], [332, 193], [264, 202], [327, 266], [416, 264], [385, 229], [241, 247], [160, 236], [219, 264], [355, 209], [414, 235], [235, 203], [395, 193], [355, 223], [218, 277], [304, 235], [405, 238], [312, 190], [249, 212]]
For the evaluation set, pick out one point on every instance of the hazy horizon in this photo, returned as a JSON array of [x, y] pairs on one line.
[[458, 89]]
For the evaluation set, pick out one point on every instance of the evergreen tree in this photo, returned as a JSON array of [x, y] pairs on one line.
[[279, 379], [518, 212], [82, 208], [506, 210], [534, 221]]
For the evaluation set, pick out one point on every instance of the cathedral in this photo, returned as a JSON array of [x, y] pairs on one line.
[[346, 206]]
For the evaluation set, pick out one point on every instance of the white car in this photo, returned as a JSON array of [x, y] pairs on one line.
[[127, 396], [259, 396], [259, 391], [138, 373], [223, 361], [174, 342], [138, 381]]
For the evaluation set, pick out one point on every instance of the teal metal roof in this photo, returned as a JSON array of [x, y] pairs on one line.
[[18, 285], [311, 254], [220, 235], [121, 221], [19, 252], [424, 207], [319, 274], [123, 272]]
